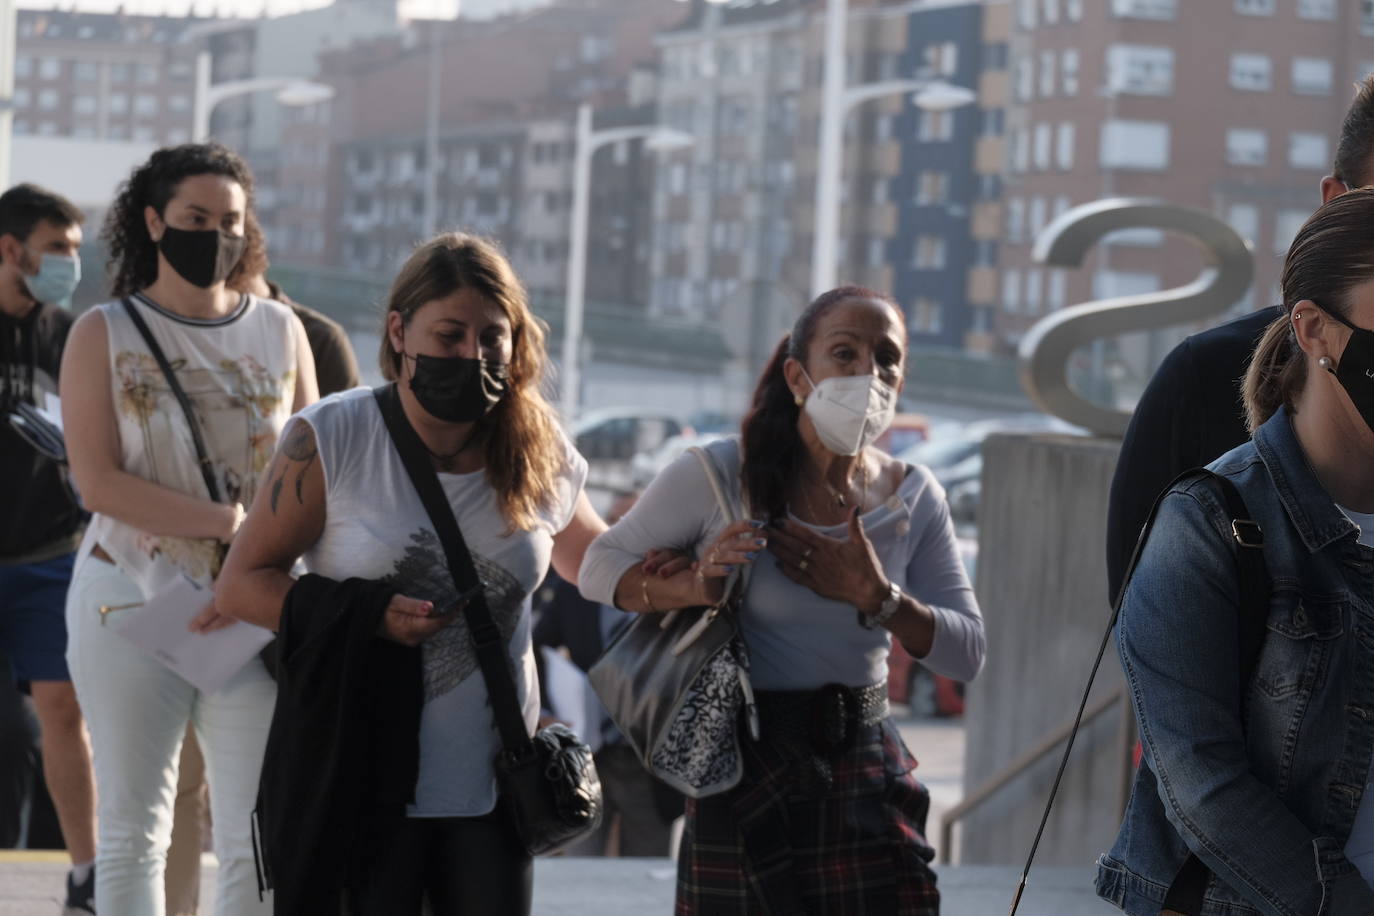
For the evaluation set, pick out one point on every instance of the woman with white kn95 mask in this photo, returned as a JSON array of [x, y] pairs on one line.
[[847, 549]]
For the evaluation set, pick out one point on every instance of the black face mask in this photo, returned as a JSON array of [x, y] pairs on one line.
[[457, 389], [203, 257], [1355, 371]]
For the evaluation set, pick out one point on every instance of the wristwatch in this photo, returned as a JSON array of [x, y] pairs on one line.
[[886, 609]]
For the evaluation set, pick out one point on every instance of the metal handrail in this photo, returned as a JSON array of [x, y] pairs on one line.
[[1027, 760]]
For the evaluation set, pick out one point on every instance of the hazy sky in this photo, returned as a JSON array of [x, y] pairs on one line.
[[416, 8]]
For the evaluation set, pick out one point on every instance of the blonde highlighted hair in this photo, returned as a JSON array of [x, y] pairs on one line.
[[522, 444]]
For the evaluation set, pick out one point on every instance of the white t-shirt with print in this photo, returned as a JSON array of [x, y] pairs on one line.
[[376, 528]]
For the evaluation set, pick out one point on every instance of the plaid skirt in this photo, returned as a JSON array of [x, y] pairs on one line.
[[778, 844]]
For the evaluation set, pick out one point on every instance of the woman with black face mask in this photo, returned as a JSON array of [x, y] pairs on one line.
[[466, 359], [1247, 639], [173, 395]]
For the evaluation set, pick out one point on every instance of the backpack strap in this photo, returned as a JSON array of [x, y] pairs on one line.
[[1186, 892]]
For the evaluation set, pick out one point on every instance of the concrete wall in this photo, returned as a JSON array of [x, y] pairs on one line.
[[1042, 585]]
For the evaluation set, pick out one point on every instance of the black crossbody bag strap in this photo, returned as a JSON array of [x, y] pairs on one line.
[[492, 658], [207, 469], [1186, 892]]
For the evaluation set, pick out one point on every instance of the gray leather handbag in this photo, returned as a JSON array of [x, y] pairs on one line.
[[676, 683]]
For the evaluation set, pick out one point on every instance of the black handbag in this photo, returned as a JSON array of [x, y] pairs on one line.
[[549, 782], [268, 655]]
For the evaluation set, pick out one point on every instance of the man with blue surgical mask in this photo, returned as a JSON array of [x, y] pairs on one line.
[[40, 521]]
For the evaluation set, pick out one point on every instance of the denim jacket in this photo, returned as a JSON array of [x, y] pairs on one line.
[[1267, 804]]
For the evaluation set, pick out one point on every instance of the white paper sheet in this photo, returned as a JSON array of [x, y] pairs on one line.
[[161, 627], [571, 697]]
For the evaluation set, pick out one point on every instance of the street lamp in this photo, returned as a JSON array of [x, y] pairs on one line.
[[290, 90], [657, 139], [836, 102]]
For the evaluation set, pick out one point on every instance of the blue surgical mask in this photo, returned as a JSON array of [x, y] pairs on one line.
[[56, 280]]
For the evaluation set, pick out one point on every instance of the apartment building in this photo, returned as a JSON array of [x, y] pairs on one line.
[[1139, 98]]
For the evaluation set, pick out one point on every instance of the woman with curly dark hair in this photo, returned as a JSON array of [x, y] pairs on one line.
[[166, 452]]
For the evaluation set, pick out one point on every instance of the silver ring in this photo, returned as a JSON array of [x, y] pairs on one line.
[[802, 566], [806, 554]]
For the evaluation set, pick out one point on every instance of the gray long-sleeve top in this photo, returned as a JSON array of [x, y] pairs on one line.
[[797, 639]]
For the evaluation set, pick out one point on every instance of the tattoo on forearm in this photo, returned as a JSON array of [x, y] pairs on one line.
[[298, 447]]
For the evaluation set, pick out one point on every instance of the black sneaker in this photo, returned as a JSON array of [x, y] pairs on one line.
[[80, 897]]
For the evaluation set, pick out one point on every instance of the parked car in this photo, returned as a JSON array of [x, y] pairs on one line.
[[618, 434]]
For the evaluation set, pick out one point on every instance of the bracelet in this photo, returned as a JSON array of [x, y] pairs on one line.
[[239, 515], [644, 593]]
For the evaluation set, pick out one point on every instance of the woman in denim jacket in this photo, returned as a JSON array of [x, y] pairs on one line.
[[1266, 785]]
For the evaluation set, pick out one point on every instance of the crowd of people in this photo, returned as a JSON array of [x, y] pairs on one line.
[[198, 458]]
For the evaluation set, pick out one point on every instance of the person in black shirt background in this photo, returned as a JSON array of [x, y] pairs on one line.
[[1191, 414], [40, 521]]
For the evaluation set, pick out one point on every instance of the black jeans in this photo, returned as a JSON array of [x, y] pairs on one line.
[[466, 866]]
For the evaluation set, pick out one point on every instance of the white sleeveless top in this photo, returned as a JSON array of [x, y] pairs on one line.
[[239, 373], [376, 528]]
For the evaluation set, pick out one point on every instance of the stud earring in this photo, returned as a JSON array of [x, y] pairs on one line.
[[799, 399], [1325, 363], [1297, 316]]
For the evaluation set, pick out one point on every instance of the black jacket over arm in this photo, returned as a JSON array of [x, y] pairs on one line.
[[1190, 415], [343, 750]]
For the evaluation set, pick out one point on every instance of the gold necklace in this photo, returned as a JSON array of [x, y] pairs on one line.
[[839, 498]]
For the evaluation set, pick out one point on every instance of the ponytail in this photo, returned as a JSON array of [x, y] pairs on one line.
[[1276, 374], [770, 442]]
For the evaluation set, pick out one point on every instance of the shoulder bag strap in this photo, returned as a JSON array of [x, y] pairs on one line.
[[486, 635], [1254, 597], [1188, 889], [207, 470], [730, 508]]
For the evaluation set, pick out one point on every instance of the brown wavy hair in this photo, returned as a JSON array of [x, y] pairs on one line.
[[133, 253], [522, 444], [1332, 254]]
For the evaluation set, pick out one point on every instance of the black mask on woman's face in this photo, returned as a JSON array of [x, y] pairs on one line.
[[457, 389], [203, 257], [1355, 371]]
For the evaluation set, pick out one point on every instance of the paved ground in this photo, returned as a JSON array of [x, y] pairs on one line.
[[30, 882]]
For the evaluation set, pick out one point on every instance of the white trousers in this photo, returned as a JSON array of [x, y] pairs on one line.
[[136, 709]]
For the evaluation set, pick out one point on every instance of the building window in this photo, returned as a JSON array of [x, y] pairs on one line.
[[148, 74], [1145, 9], [1025, 14], [1073, 10], [1312, 76], [86, 71], [49, 68], [1025, 77], [1051, 12], [1039, 215], [1251, 72], [1255, 7], [23, 66], [1139, 145], [1068, 71], [1016, 216], [1056, 297], [179, 103], [925, 317], [1034, 291], [144, 134], [1244, 218], [1011, 291], [22, 98], [877, 252], [1043, 139], [936, 126], [145, 105], [1048, 60], [1286, 228], [1246, 147], [1063, 148], [118, 103], [1367, 17], [929, 253], [943, 58], [47, 128], [84, 104], [932, 188], [47, 100], [1020, 150], [1140, 70], [1316, 9], [1307, 150]]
